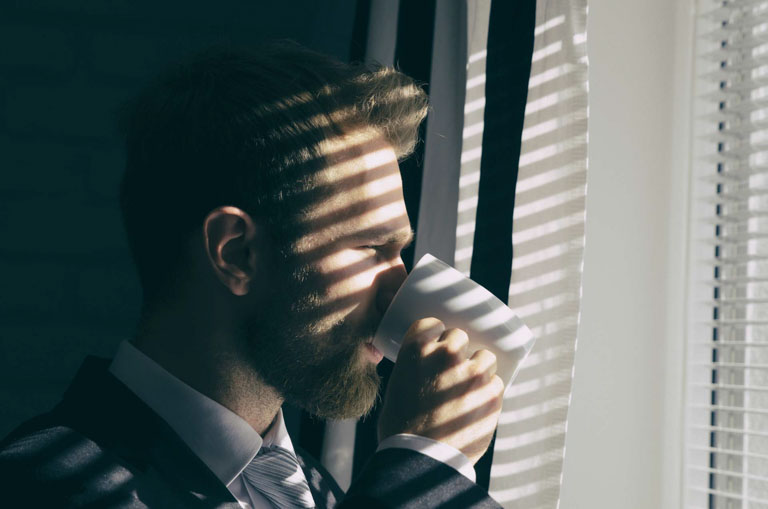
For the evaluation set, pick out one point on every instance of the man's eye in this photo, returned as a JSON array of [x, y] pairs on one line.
[[384, 251]]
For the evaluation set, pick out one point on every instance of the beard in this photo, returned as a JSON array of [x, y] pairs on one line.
[[312, 362]]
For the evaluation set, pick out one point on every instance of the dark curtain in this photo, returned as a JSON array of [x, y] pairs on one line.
[[508, 67]]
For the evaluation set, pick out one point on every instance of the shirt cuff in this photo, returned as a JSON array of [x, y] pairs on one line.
[[439, 451]]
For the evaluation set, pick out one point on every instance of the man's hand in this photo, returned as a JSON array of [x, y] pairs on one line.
[[437, 392]]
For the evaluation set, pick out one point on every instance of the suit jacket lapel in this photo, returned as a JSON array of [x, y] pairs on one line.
[[100, 407]]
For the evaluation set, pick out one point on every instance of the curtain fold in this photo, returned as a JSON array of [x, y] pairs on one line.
[[514, 223], [547, 239], [508, 64], [548, 244], [442, 150]]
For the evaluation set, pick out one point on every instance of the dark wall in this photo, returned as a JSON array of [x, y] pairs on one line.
[[67, 287]]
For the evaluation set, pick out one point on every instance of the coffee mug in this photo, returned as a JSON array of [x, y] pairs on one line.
[[435, 289]]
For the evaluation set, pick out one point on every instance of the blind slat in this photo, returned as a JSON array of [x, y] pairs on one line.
[[732, 178], [733, 218], [735, 301], [726, 10], [739, 153], [738, 321], [729, 452], [743, 129], [735, 47], [728, 344], [730, 198], [733, 280], [743, 21], [726, 409], [732, 365], [735, 260], [727, 494], [735, 431], [729, 473], [731, 387]]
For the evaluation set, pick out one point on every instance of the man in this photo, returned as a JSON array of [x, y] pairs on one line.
[[263, 206]]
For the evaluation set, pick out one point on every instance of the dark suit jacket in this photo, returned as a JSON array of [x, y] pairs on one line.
[[103, 447]]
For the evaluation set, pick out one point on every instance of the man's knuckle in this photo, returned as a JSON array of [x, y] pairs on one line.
[[497, 404], [425, 329], [474, 369], [497, 384], [427, 323], [456, 342], [484, 357], [491, 366], [456, 334], [490, 357], [424, 348]]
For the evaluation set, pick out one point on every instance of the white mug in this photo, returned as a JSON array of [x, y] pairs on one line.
[[435, 289]]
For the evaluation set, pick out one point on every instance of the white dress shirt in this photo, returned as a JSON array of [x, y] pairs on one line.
[[224, 441]]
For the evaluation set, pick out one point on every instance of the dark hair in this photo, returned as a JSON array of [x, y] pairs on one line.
[[243, 129]]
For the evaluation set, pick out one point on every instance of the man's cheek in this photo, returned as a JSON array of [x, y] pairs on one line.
[[353, 275]]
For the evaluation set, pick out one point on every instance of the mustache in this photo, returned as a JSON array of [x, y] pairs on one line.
[[362, 334]]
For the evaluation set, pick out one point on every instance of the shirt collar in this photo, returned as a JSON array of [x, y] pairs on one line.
[[223, 440]]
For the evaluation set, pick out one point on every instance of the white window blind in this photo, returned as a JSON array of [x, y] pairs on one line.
[[726, 418]]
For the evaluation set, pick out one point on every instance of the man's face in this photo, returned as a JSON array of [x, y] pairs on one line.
[[312, 340]]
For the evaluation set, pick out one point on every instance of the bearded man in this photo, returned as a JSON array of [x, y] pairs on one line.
[[264, 210]]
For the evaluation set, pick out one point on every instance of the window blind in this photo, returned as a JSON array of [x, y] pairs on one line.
[[726, 414]]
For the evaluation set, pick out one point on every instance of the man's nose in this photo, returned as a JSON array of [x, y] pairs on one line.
[[390, 280]]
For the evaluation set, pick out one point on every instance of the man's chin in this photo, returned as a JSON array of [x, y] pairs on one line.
[[332, 376], [355, 399]]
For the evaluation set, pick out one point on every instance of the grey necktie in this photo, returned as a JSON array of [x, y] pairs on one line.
[[275, 473]]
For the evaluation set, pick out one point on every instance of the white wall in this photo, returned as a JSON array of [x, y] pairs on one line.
[[623, 441]]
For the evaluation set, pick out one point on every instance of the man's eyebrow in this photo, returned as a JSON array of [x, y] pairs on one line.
[[384, 235]]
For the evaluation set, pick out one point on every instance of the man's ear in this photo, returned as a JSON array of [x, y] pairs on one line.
[[234, 245]]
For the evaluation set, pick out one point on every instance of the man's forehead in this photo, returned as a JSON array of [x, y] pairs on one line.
[[356, 158], [361, 167], [366, 196]]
